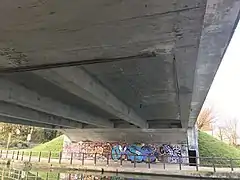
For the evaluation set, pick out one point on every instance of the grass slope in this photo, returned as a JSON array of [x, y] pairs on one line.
[[212, 147], [53, 145], [208, 147]]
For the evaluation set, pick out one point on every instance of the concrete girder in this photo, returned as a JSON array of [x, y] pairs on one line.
[[13, 120], [27, 114], [16, 94], [184, 79], [78, 82], [220, 21]]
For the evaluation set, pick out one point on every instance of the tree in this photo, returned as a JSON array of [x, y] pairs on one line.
[[15, 129], [10, 133], [230, 131], [205, 119], [220, 133]]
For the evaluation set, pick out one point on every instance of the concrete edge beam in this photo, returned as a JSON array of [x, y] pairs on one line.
[[220, 21]]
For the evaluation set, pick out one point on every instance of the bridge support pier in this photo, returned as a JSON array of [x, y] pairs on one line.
[[193, 153]]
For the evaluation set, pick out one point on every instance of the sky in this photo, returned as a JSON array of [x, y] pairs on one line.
[[224, 94]]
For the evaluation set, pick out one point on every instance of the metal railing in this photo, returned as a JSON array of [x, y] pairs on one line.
[[15, 174], [122, 160]]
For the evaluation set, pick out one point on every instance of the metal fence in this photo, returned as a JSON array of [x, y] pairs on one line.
[[14, 174], [131, 161]]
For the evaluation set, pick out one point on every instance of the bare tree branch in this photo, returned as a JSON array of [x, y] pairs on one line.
[[220, 133], [205, 119], [230, 131]]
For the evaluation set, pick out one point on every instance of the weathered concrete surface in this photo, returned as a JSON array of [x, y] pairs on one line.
[[17, 120], [174, 136], [16, 94], [76, 81], [28, 114], [220, 21], [187, 38]]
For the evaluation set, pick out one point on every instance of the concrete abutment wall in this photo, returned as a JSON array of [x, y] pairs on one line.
[[154, 145]]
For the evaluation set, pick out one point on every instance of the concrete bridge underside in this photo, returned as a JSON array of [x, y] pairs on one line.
[[142, 66]]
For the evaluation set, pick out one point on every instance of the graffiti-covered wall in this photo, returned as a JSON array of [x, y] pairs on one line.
[[116, 151]]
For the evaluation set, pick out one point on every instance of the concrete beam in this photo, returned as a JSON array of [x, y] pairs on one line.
[[129, 135], [185, 103], [27, 114], [12, 120], [220, 22], [185, 58], [78, 82], [16, 94]]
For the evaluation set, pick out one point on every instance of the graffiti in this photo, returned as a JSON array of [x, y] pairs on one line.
[[134, 152], [122, 151], [116, 152], [173, 152]]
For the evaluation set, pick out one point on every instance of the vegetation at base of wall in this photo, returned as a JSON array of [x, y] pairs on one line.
[[212, 147]]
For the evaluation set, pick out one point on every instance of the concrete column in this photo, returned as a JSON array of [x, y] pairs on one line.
[[192, 134]]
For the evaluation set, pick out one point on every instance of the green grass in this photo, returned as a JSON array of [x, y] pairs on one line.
[[208, 147], [212, 147], [47, 175], [54, 146]]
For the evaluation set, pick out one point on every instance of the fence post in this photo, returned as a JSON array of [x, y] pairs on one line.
[[7, 154], [198, 160], [83, 159], [1, 154], [164, 165], [214, 168], [13, 153], [58, 176], [30, 156], [60, 157], [134, 164], [22, 156], [231, 164], [121, 159], [47, 176], [71, 158], [95, 159], [149, 162], [180, 163], [36, 176], [39, 156], [17, 155], [19, 173], [108, 159], [49, 156]]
